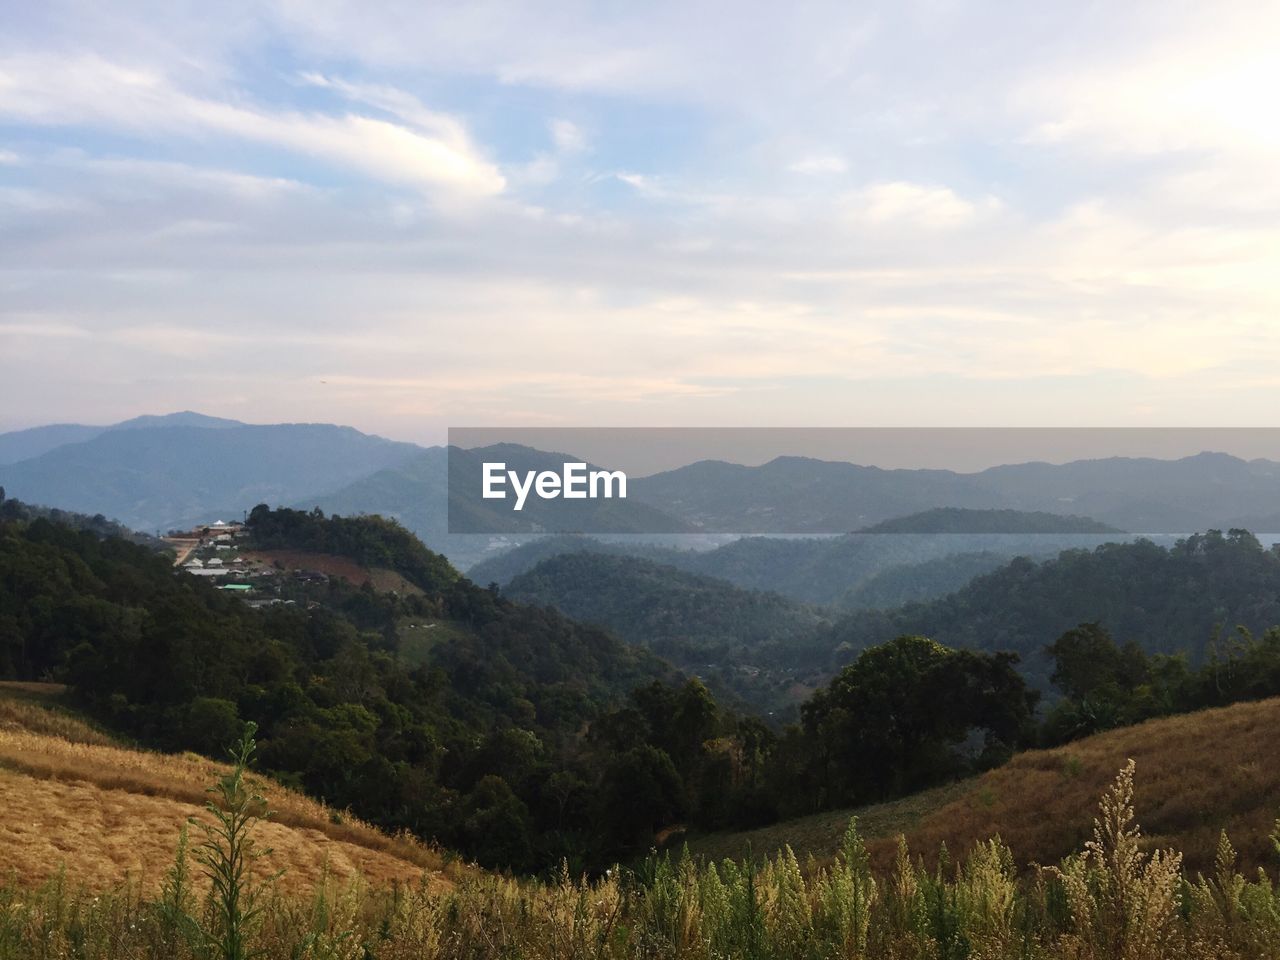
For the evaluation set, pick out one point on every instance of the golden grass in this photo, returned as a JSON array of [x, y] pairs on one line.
[[32, 688], [104, 837], [37, 714], [70, 798], [1198, 774]]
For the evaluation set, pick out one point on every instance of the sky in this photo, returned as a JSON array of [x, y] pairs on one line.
[[411, 216]]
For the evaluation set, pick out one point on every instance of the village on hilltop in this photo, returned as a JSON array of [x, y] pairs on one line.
[[220, 550]]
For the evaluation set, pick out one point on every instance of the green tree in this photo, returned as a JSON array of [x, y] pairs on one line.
[[905, 715], [1088, 662], [211, 725]]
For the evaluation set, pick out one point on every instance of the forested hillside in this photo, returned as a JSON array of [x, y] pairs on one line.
[[11, 510], [503, 567], [370, 541], [748, 643], [816, 570], [460, 747], [919, 582], [512, 733], [1164, 600]]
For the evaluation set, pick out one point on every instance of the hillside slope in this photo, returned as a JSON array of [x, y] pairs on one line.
[[75, 800], [749, 642], [445, 740], [1165, 600], [818, 570], [1197, 774]]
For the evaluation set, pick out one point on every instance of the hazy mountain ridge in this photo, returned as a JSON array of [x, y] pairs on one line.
[[149, 474], [802, 495], [19, 445], [962, 520], [169, 476]]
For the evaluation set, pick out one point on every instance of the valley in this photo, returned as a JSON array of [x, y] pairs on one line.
[[944, 676]]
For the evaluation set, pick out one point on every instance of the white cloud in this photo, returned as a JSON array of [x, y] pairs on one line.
[[819, 164], [90, 91], [1197, 97], [1069, 194], [930, 207], [567, 136]]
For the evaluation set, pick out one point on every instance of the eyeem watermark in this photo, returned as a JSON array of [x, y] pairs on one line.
[[975, 482], [573, 482]]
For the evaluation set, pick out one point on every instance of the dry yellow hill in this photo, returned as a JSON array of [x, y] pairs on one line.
[[73, 800], [1196, 774]]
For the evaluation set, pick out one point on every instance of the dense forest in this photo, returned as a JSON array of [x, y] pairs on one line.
[[459, 748], [748, 644], [821, 571], [12, 509], [919, 582], [1164, 599], [523, 738], [757, 644], [368, 540]]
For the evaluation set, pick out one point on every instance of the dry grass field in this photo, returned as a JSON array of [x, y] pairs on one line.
[[75, 801], [1196, 775]]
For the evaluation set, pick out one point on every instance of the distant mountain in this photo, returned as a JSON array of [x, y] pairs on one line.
[[803, 495], [411, 491], [414, 493], [470, 512], [25, 444], [159, 477], [184, 418], [796, 495], [148, 473], [1143, 494], [436, 491], [960, 520]]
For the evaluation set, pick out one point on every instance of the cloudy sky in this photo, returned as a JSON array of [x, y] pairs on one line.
[[405, 216]]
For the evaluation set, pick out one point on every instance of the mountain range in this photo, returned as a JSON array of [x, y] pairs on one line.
[[158, 472], [165, 472]]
